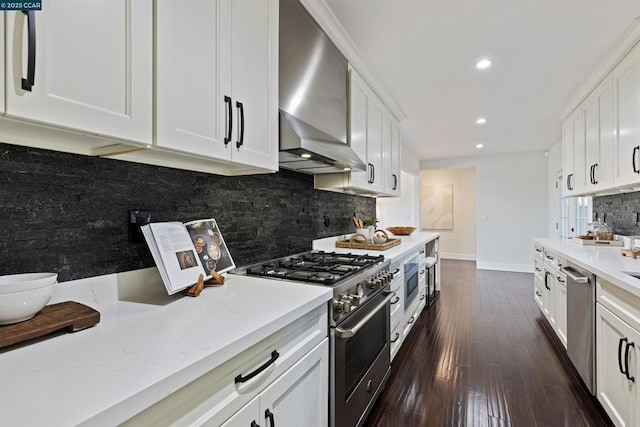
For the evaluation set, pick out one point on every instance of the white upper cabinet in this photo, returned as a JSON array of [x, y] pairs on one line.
[[626, 95], [598, 116], [86, 66], [391, 159], [568, 157], [217, 79], [365, 134]]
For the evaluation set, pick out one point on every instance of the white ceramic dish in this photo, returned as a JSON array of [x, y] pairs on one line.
[[26, 281], [20, 306]]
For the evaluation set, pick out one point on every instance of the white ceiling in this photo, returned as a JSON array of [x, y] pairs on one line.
[[424, 53]]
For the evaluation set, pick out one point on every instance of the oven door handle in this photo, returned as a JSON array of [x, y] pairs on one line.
[[348, 333]]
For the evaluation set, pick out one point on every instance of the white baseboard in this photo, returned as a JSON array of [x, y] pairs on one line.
[[518, 268], [460, 257]]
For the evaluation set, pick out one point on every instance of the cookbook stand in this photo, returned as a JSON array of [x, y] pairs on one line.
[[195, 290]]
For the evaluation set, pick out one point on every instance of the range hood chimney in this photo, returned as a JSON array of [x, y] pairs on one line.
[[312, 97]]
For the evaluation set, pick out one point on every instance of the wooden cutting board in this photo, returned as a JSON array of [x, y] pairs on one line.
[[70, 316]]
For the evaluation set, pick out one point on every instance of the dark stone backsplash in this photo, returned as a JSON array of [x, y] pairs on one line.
[[617, 211], [67, 213]]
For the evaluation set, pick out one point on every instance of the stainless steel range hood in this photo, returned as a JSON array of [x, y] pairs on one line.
[[312, 97]]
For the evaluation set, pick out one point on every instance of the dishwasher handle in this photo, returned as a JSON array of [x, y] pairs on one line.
[[570, 274]]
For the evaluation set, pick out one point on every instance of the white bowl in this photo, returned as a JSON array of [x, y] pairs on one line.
[[20, 306], [25, 282]]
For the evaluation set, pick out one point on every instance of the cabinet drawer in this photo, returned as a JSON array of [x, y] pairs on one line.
[[538, 251], [623, 304], [538, 284], [396, 337], [538, 269], [217, 392]]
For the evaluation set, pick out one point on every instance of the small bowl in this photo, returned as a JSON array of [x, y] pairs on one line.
[[379, 240], [25, 282], [20, 306], [401, 231]]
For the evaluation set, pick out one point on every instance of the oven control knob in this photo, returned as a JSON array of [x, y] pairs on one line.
[[342, 304], [355, 300]]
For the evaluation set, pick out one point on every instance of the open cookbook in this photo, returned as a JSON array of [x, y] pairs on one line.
[[184, 251]]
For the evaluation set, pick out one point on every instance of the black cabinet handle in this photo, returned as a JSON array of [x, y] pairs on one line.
[[539, 294], [254, 424], [413, 319], [560, 279], [227, 139], [626, 362], [591, 174], [595, 180], [622, 340], [240, 108], [633, 159], [546, 280], [28, 83], [396, 271], [538, 250], [269, 415], [422, 297], [395, 300], [395, 182], [538, 269], [396, 337], [370, 180], [274, 356]]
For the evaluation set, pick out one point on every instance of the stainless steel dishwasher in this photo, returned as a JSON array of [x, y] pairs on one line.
[[581, 300]]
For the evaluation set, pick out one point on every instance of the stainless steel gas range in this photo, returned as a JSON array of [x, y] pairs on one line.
[[358, 320]]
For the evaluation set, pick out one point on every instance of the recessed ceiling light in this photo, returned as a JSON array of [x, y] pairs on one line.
[[481, 121], [482, 64], [346, 169], [479, 145], [305, 156]]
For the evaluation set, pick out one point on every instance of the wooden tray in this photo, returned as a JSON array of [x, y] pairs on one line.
[[359, 241], [597, 242], [630, 253], [70, 316]]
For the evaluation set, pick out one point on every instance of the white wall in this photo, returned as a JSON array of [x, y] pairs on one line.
[[512, 206], [554, 168], [459, 243], [401, 211]]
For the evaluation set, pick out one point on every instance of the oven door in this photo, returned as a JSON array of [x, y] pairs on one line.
[[361, 360]]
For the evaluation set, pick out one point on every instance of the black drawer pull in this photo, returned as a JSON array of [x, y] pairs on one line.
[[268, 414], [395, 300], [227, 138], [241, 379], [396, 337], [413, 319], [254, 424]]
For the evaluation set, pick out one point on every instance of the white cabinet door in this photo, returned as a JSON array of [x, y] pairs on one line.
[[358, 98], [396, 166], [248, 416], [568, 156], [190, 107], [615, 391], [579, 180], [547, 297], [254, 80], [603, 170], [391, 155], [217, 79], [560, 308], [300, 397], [626, 95], [375, 114], [93, 68]]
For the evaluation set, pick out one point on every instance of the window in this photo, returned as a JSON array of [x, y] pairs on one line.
[[574, 213]]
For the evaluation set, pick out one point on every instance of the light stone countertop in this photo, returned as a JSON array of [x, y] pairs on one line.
[[604, 261], [407, 247], [146, 346]]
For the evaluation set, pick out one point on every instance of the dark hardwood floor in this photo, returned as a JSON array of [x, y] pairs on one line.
[[483, 355]]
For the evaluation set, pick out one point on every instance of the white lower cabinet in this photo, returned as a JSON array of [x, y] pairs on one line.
[[617, 367], [550, 292], [560, 308], [298, 398], [286, 373]]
